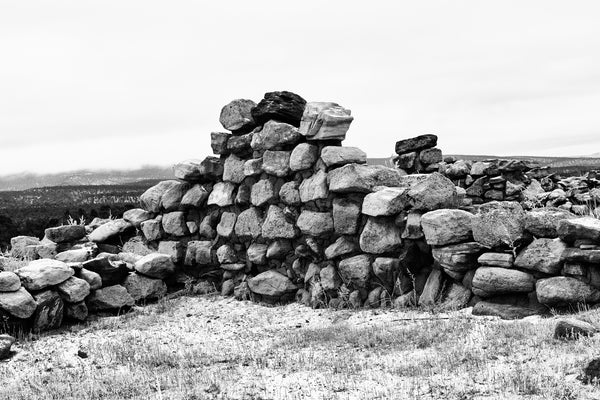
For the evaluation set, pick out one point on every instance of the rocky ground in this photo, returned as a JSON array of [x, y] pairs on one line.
[[219, 348]]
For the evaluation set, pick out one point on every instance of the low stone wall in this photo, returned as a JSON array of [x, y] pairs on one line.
[[285, 212]]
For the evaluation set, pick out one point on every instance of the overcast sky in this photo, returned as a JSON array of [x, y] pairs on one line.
[[120, 84]]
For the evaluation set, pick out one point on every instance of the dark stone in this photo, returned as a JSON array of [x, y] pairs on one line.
[[281, 106], [416, 143], [111, 272], [211, 168], [49, 312]]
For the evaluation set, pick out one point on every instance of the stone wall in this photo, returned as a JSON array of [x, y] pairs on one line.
[[284, 212]]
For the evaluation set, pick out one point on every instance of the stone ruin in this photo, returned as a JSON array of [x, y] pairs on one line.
[[284, 212]]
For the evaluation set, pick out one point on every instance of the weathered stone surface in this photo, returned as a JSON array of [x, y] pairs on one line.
[[276, 226], [9, 281], [136, 216], [226, 224], [583, 228], [456, 297], [457, 259], [253, 167], [276, 162], [111, 272], [172, 248], [572, 255], [356, 270], [341, 247], [222, 194], [458, 170], [330, 279], [544, 255], [237, 115], [174, 223], [489, 281], [413, 229], [504, 311], [314, 188], [272, 284], [430, 156], [325, 121], [109, 298], [543, 222], [443, 227], [345, 215], [210, 169], [195, 196], [561, 290], [257, 253], [432, 192], [77, 255], [263, 192], [76, 311], [380, 235], [387, 201], [432, 289], [109, 230], [93, 279], [150, 200], [155, 265], [171, 199], [200, 252], [499, 224], [240, 144], [19, 243], [275, 134], [226, 254], [192, 170], [504, 260], [314, 223], [416, 143], [40, 274], [362, 178], [385, 269], [279, 249], [282, 106], [249, 223], [290, 193], [335, 156], [65, 233], [218, 142], [233, 169], [141, 287], [73, 290], [19, 303], [49, 311], [571, 328], [152, 230], [303, 156]]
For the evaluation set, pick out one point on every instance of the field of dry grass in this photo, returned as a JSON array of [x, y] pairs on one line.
[[218, 348]]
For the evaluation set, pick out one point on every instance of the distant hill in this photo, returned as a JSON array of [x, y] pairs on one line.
[[83, 178]]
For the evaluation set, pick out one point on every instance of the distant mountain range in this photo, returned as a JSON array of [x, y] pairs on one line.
[[26, 181]]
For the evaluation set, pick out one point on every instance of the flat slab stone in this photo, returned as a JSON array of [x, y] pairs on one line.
[[416, 143], [362, 178], [335, 156]]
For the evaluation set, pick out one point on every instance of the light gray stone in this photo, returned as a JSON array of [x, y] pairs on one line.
[[433, 192], [314, 188], [561, 290], [174, 223], [499, 224], [249, 223], [155, 265], [387, 201], [380, 235], [195, 197], [233, 169], [19, 303], [290, 194], [40, 274], [504, 260], [314, 223], [341, 247], [9, 281], [544, 255], [276, 226], [356, 270], [109, 298], [237, 115], [334, 156], [490, 281], [226, 226], [443, 227], [362, 178], [276, 162], [263, 192], [272, 284], [345, 216], [303, 156], [325, 121], [73, 290], [109, 230], [222, 194], [275, 134], [150, 200]]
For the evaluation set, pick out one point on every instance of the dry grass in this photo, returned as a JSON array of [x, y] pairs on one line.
[[214, 348]]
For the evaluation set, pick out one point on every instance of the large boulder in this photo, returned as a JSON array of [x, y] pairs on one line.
[[443, 227], [276, 226], [237, 115], [272, 285], [585, 228], [325, 121], [49, 311], [40, 274], [275, 134], [65, 233], [362, 178], [490, 281], [150, 200], [19, 303], [543, 222], [457, 259], [561, 290], [356, 270], [141, 287], [380, 235], [314, 223], [432, 192], [416, 143], [73, 290], [282, 106], [155, 265], [314, 188], [499, 223], [109, 230], [386, 201], [544, 255], [336, 156], [109, 298]]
